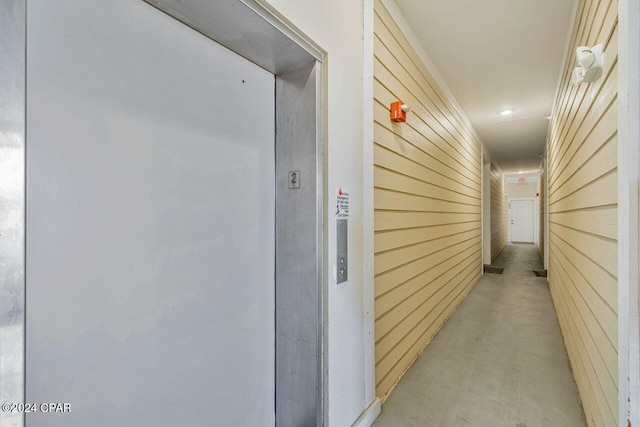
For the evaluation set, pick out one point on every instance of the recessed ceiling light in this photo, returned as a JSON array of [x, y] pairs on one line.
[[506, 112]]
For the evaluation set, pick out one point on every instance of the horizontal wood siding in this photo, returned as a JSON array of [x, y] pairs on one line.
[[541, 199], [517, 190], [498, 212], [427, 178], [582, 174]]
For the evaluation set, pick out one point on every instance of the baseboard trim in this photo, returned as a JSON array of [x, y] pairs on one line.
[[369, 415]]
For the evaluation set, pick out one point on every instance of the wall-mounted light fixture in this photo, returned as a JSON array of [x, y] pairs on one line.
[[398, 111], [590, 60]]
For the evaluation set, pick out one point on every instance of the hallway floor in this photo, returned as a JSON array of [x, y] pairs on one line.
[[499, 360]]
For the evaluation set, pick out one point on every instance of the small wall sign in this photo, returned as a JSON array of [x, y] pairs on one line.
[[342, 203], [294, 179]]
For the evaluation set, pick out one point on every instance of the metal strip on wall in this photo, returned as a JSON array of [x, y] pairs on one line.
[[12, 192]]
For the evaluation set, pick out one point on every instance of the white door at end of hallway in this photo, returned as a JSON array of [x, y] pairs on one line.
[[521, 221]]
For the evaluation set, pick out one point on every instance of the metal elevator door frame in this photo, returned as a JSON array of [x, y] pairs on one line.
[[258, 33]]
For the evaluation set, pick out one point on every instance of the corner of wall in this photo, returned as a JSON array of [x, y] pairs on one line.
[[427, 198], [582, 171], [368, 224]]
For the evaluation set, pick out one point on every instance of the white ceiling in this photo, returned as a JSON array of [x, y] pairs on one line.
[[498, 54]]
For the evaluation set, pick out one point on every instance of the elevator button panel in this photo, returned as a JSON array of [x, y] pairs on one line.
[[342, 251]]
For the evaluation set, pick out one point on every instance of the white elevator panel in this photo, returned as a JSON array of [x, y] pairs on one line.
[[150, 221]]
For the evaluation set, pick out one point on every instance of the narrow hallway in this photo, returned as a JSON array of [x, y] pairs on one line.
[[499, 361]]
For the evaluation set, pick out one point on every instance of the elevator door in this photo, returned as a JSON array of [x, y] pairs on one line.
[[150, 222]]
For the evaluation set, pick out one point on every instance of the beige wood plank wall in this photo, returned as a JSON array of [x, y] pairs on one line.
[[517, 190], [498, 212], [541, 198], [427, 178], [582, 174]]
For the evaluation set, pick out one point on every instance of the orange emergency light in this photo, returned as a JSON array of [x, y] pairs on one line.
[[398, 111]]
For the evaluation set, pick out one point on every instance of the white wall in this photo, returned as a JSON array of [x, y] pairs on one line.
[[629, 177], [336, 26]]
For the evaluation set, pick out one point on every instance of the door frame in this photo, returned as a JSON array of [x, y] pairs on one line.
[[299, 66], [628, 212], [534, 210]]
